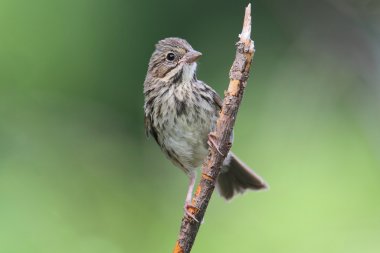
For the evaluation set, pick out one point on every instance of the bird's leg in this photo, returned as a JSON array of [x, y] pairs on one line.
[[212, 142], [192, 178]]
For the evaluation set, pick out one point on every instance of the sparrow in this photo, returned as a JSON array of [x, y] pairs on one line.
[[181, 111]]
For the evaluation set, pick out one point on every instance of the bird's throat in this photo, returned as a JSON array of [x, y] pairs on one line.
[[188, 71]]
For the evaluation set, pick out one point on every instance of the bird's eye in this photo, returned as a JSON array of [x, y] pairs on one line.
[[170, 57]]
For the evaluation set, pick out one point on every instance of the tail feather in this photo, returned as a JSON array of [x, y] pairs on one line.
[[236, 177]]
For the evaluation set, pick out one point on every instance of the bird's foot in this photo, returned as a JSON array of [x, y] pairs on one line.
[[212, 142], [189, 213]]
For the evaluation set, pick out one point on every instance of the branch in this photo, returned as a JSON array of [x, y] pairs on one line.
[[211, 166]]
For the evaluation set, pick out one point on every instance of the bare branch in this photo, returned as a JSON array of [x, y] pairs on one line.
[[239, 74]]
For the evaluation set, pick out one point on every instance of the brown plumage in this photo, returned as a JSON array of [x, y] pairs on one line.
[[180, 112]]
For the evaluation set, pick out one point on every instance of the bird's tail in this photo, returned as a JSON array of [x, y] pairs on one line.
[[235, 177]]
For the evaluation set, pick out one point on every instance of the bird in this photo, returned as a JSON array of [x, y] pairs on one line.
[[181, 111]]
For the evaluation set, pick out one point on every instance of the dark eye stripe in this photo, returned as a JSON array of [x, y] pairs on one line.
[[155, 64]]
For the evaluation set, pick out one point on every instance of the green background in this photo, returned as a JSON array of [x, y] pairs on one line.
[[77, 174]]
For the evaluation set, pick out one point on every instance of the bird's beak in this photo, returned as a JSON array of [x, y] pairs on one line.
[[192, 56]]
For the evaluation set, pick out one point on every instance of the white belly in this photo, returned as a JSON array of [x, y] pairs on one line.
[[184, 132]]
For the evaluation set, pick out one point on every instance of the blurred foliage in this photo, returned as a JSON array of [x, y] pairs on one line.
[[78, 175]]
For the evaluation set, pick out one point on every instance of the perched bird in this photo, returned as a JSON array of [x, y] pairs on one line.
[[181, 111]]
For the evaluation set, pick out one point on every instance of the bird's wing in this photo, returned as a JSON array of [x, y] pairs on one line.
[[218, 101], [147, 126], [150, 130]]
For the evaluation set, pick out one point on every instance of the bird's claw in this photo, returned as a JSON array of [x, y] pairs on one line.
[[188, 213], [211, 142]]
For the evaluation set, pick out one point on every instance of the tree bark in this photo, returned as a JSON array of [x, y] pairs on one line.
[[239, 74]]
